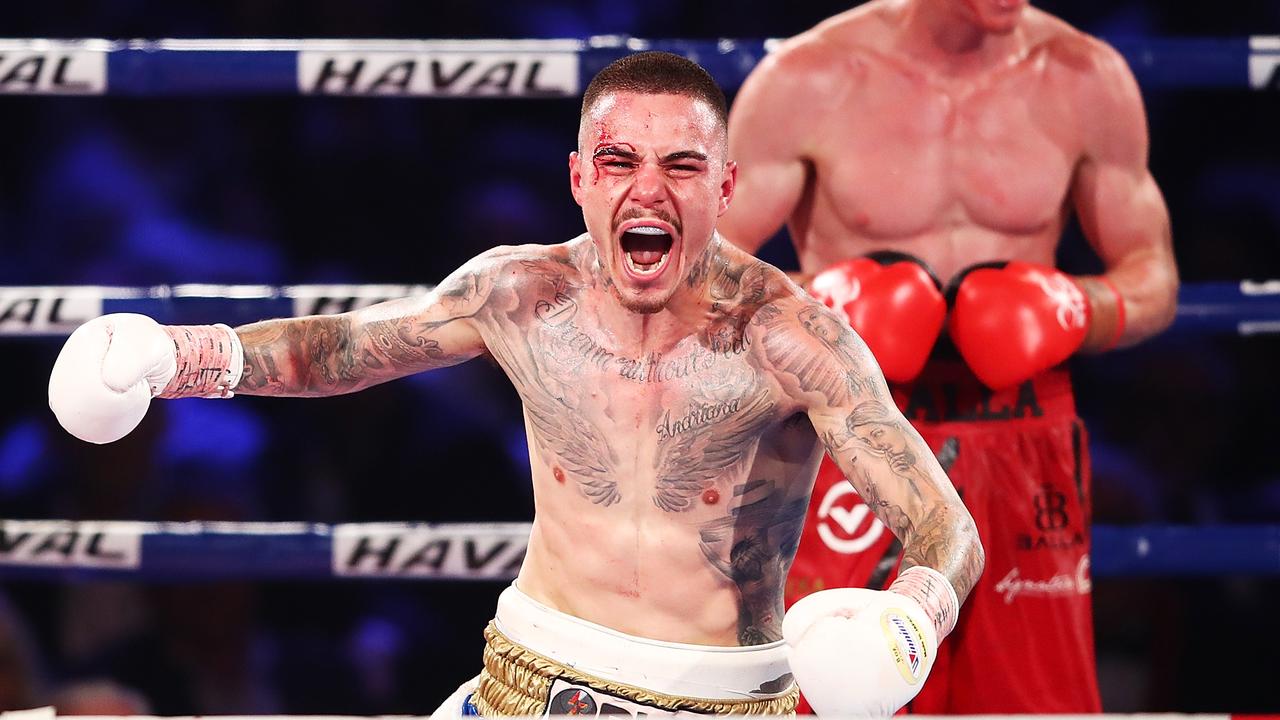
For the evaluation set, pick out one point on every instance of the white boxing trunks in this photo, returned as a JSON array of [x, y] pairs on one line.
[[539, 661]]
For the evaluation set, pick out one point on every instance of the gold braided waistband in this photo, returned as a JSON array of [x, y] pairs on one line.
[[517, 681]]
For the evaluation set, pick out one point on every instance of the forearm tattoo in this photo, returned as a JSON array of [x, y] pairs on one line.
[[329, 355], [309, 356], [881, 454]]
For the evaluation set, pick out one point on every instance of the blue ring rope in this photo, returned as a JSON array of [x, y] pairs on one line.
[[1244, 308], [61, 550], [488, 68], [493, 68]]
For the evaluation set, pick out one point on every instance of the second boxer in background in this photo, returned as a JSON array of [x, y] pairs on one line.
[[925, 156]]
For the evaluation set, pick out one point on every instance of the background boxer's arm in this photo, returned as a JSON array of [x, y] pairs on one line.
[[767, 126], [1121, 210], [828, 370], [333, 354]]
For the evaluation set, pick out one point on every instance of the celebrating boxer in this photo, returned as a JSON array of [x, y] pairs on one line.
[[906, 142], [678, 394]]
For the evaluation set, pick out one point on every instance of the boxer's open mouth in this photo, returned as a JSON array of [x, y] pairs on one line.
[[646, 248]]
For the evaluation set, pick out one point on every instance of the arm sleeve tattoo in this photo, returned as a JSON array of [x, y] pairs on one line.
[[821, 361], [334, 354]]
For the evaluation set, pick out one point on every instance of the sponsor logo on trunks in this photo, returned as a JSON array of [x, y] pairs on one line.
[[1049, 508], [570, 699], [447, 69], [480, 550], [1014, 585], [848, 528], [62, 543], [47, 67], [906, 643]]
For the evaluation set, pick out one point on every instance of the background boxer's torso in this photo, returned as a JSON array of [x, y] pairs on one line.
[[663, 471], [953, 169]]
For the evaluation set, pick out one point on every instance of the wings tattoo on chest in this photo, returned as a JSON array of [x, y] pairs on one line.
[[704, 446], [552, 401]]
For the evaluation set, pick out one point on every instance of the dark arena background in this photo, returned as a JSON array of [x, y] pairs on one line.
[[279, 188]]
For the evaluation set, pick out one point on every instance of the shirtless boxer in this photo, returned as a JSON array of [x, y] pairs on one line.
[[678, 394], [959, 132]]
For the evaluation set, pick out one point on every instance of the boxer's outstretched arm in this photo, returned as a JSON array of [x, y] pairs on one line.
[[828, 370], [333, 354], [1121, 209]]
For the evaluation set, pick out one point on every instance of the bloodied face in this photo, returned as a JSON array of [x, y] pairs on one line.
[[651, 176]]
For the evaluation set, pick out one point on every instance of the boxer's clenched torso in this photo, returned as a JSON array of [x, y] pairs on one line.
[[672, 453], [954, 170], [671, 477]]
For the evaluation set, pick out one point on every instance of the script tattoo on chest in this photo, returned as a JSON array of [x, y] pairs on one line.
[[699, 415], [703, 442], [700, 441], [552, 394], [569, 345], [735, 291], [705, 445]]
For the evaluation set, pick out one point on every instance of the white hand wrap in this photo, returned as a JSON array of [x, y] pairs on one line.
[[933, 591], [110, 368], [210, 361]]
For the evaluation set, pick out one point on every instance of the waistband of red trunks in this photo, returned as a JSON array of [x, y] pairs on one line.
[[947, 391]]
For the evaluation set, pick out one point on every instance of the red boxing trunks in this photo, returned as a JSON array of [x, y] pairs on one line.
[[1019, 459]]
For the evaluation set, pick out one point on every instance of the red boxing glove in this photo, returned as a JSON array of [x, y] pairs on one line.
[[1012, 321], [893, 301]]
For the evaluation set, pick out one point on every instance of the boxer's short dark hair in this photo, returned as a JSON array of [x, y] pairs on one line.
[[657, 73]]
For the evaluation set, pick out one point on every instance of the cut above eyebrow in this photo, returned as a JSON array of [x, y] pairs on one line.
[[615, 151]]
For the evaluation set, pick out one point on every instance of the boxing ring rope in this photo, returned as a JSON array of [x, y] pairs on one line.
[[489, 68], [202, 551], [482, 551], [1245, 308], [58, 550]]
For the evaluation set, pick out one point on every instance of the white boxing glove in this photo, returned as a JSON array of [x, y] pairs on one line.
[[858, 653], [111, 367]]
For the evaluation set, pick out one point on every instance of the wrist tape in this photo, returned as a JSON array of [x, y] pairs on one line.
[[933, 592], [210, 361]]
